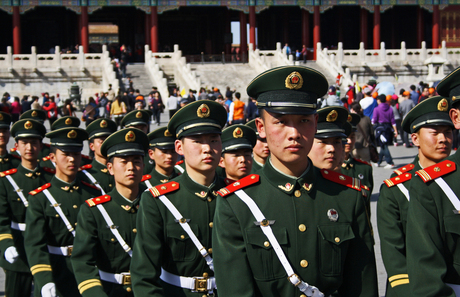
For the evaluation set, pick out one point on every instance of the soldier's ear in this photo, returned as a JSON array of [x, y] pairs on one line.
[[110, 168], [415, 139], [221, 162], [260, 127], [179, 147], [454, 114]]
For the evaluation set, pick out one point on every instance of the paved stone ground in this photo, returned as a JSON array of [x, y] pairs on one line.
[[400, 154]]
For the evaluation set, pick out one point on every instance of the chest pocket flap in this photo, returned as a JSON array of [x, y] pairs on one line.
[[451, 223], [177, 232], [337, 233], [256, 237]]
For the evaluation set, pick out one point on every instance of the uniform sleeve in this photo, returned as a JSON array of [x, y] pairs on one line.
[[425, 252], [6, 238], [231, 266], [35, 242], [84, 255], [360, 272], [392, 241], [147, 250]]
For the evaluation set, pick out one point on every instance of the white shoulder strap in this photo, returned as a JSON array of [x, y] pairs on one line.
[[19, 191], [184, 224], [267, 230], [58, 209], [448, 191], [179, 168], [114, 230], [404, 190], [94, 181]]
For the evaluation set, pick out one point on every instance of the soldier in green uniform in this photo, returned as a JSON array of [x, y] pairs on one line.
[[7, 160], [292, 229], [172, 254], [237, 144], [15, 185], [52, 215], [260, 151], [163, 153], [98, 174], [39, 116], [431, 130], [107, 224], [432, 235]]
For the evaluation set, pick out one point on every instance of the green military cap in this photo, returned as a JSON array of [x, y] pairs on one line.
[[252, 124], [125, 142], [354, 119], [288, 89], [331, 122], [28, 128], [34, 114], [68, 139], [101, 128], [65, 122], [238, 137], [5, 120], [449, 87], [161, 138], [136, 117], [431, 111], [199, 117], [348, 128]]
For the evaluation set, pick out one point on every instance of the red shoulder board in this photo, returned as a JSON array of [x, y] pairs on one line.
[[405, 168], [86, 157], [342, 179], [166, 188], [146, 177], [242, 183], [361, 161], [397, 179], [436, 170], [8, 172], [13, 149], [49, 170], [16, 156], [39, 189], [180, 162], [84, 167], [46, 158], [47, 145], [98, 200], [90, 185]]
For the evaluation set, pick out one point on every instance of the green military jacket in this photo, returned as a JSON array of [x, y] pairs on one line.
[[158, 178], [433, 232], [162, 243], [45, 227], [392, 209], [9, 161], [359, 169], [12, 209], [149, 165], [102, 175], [96, 247], [255, 166], [320, 224]]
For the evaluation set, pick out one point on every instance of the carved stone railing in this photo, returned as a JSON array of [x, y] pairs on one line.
[[266, 59]]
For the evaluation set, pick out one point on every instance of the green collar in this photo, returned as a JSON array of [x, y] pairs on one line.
[[156, 176], [288, 184], [126, 205], [67, 187], [200, 191]]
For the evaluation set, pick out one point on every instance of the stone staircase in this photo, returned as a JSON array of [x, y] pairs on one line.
[[329, 77], [140, 78]]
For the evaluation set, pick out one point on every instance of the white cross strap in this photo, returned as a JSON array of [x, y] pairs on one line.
[[93, 180], [404, 190], [184, 224], [114, 230], [18, 191], [448, 191], [267, 230], [179, 168], [58, 209]]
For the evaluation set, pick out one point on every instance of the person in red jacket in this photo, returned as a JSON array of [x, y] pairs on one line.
[[51, 110]]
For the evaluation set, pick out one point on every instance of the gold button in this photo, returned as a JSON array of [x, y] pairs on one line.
[[205, 274], [19, 199], [204, 296], [57, 216], [71, 191], [337, 239], [297, 193], [182, 237], [112, 239], [266, 244], [302, 228], [134, 230], [110, 185], [209, 199], [304, 263], [210, 225], [303, 295], [75, 224], [210, 251], [128, 289], [75, 206]]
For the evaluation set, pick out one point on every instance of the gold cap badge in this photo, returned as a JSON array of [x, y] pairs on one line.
[[34, 113], [237, 133], [332, 116], [167, 133], [68, 121], [72, 134], [103, 124], [1, 117], [349, 118], [28, 125], [139, 115], [130, 136], [294, 81], [203, 111], [443, 105]]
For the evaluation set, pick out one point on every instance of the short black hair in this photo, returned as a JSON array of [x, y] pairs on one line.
[[238, 95], [412, 87]]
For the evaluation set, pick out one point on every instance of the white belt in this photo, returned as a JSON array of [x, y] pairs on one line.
[[18, 226], [123, 278], [456, 288], [65, 251], [196, 284]]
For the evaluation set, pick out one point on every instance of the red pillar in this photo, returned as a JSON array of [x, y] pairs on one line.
[[243, 36], [305, 28], [420, 31], [435, 33], [363, 24], [376, 27], [316, 30], [147, 29], [154, 29], [16, 31], [252, 25], [84, 29]]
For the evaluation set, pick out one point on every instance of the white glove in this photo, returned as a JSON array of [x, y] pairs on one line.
[[49, 290], [11, 254]]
